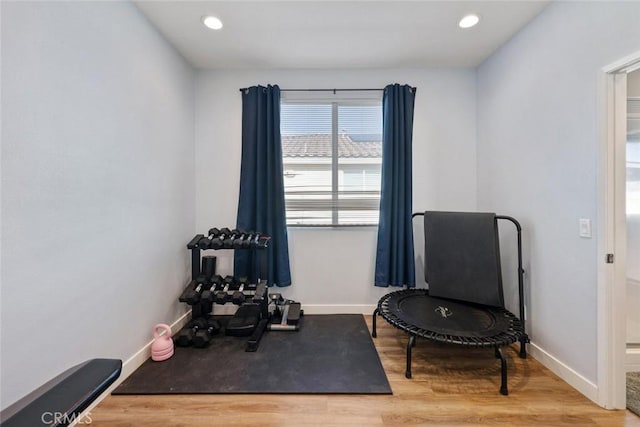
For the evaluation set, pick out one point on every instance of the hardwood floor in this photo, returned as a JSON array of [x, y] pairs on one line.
[[451, 386]]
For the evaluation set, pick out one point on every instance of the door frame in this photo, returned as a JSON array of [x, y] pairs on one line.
[[612, 237]]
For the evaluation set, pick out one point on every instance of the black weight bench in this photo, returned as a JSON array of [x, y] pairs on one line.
[[60, 401]]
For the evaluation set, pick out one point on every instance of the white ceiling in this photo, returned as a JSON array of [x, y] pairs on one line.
[[338, 34]]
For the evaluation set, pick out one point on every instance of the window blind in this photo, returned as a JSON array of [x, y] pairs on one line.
[[332, 156]]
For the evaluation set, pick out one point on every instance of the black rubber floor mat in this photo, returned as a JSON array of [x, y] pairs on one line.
[[330, 354]]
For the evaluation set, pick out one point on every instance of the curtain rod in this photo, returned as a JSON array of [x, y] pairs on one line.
[[242, 89]]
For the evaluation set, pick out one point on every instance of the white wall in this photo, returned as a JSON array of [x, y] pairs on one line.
[[538, 142], [328, 266], [97, 185]]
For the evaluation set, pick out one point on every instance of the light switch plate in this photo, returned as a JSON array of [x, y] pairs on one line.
[[585, 227]]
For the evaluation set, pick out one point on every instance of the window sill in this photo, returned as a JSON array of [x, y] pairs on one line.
[[332, 226]]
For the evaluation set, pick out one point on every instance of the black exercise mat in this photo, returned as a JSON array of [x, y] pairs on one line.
[[330, 354]]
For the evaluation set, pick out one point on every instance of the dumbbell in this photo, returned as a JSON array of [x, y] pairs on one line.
[[203, 336], [228, 242], [205, 242], [243, 281], [217, 284], [230, 281], [262, 241], [238, 296], [218, 241], [192, 293], [193, 297], [185, 336], [244, 240], [222, 296], [253, 241]]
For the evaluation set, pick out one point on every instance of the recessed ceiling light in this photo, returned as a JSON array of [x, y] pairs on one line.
[[212, 22], [469, 21]]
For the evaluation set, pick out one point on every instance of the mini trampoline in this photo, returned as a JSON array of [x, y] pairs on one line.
[[464, 304]]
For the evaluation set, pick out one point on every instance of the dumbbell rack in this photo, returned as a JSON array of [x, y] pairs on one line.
[[202, 309]]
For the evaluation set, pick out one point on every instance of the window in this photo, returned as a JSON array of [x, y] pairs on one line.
[[332, 157]]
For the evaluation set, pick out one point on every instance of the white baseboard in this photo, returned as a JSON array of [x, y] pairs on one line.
[[144, 353], [338, 308], [228, 309], [129, 366], [632, 360], [573, 378]]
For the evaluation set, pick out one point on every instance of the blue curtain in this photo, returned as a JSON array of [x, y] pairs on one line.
[[394, 257], [261, 202]]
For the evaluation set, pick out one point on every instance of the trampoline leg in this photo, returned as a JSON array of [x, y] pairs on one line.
[[410, 344], [523, 347], [374, 333], [503, 367]]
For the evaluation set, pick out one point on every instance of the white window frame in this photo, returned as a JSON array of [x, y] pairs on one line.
[[335, 99]]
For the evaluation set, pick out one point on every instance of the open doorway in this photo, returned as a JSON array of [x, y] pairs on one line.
[[633, 215], [632, 198], [616, 318]]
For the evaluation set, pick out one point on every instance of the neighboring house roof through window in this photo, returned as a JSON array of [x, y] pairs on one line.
[[319, 145]]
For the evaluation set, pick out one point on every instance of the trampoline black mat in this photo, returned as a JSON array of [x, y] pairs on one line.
[[439, 319], [331, 354], [448, 317]]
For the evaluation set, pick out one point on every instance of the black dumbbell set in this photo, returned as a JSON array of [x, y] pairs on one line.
[[218, 290], [229, 239], [249, 320], [198, 332], [208, 288], [231, 290]]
